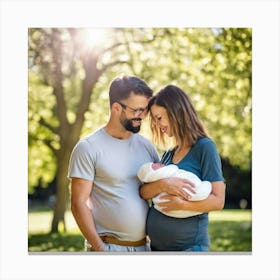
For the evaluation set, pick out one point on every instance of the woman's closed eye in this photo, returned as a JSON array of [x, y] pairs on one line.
[[157, 118]]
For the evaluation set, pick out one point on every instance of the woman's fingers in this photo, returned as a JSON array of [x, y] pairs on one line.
[[170, 203], [187, 182], [164, 200], [189, 189], [180, 187]]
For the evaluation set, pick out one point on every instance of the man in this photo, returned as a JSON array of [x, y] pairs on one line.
[[105, 198]]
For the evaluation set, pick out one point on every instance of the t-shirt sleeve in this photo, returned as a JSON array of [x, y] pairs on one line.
[[152, 151], [82, 162], [211, 167], [155, 155]]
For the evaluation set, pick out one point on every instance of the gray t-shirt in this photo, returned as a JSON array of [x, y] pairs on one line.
[[112, 165]]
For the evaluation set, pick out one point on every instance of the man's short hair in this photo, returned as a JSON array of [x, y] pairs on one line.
[[121, 88]]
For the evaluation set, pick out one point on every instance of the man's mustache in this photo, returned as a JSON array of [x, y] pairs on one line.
[[137, 119]]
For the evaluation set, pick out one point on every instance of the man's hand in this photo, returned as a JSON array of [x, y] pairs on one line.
[[101, 247]]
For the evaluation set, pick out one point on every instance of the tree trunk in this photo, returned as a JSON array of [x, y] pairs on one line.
[[69, 133], [62, 191]]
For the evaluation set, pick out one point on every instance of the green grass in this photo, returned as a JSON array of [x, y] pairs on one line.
[[40, 240], [230, 231]]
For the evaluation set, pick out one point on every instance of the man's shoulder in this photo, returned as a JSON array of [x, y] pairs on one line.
[[94, 136], [142, 139], [89, 141]]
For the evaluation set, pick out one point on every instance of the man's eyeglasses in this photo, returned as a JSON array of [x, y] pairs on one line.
[[136, 112]]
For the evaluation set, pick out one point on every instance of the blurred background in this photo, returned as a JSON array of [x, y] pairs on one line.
[[69, 73]]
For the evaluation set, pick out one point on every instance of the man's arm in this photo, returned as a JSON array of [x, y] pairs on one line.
[[80, 194]]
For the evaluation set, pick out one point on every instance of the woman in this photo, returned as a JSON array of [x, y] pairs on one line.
[[173, 115]]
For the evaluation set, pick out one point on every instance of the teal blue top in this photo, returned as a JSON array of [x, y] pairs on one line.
[[186, 234], [202, 159]]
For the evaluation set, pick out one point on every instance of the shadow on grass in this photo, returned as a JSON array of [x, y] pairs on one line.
[[56, 242], [230, 236]]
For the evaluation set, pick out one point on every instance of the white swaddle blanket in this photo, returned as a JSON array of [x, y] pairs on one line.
[[147, 174]]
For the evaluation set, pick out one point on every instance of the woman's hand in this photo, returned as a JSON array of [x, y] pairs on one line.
[[215, 201], [172, 203], [179, 187], [173, 185]]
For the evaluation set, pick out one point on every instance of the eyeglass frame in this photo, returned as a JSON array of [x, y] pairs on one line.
[[136, 112]]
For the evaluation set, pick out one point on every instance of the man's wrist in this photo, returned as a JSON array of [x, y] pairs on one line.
[[98, 246]]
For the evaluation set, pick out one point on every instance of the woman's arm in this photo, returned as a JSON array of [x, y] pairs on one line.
[[215, 201], [172, 186]]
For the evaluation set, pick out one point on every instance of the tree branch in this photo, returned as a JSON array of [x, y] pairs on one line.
[[48, 143], [92, 75], [106, 66], [48, 126]]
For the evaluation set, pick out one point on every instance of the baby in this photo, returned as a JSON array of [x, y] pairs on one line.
[[150, 172]]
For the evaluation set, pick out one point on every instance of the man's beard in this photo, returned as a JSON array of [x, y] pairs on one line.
[[128, 125]]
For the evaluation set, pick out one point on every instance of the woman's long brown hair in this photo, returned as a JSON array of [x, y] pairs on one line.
[[185, 124]]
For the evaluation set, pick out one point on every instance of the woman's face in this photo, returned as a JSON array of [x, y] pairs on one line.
[[161, 119]]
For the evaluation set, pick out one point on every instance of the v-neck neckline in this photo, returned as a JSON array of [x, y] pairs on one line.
[[186, 155]]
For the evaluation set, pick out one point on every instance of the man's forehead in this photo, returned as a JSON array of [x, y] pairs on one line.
[[137, 97]]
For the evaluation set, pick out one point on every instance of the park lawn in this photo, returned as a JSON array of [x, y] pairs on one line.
[[230, 231]]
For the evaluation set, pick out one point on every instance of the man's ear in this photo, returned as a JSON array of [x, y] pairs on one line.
[[116, 107]]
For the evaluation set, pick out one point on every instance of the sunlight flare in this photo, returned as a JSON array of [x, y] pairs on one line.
[[93, 38]]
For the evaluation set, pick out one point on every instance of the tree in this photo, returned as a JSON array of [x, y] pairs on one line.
[[61, 65]]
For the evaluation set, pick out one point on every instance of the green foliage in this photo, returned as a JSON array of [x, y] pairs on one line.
[[41, 160], [232, 70]]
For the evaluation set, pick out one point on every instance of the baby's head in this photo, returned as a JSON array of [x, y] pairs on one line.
[[150, 172], [157, 165], [147, 170]]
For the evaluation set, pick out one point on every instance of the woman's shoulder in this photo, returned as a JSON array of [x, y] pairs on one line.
[[204, 141], [204, 144]]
